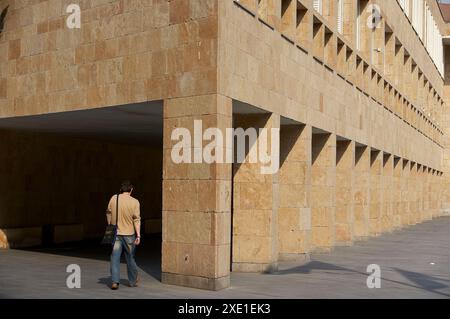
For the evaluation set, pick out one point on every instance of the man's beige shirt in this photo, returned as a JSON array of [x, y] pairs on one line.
[[129, 214]]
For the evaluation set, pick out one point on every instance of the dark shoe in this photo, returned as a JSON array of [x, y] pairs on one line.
[[115, 286]]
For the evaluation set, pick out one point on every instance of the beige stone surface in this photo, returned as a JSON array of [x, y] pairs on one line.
[[256, 202], [294, 213], [366, 151], [345, 185], [196, 217], [387, 213], [362, 192], [323, 186]]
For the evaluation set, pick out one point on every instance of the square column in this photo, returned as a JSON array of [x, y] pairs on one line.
[[420, 194], [397, 204], [345, 167], [294, 214], [255, 203], [413, 211], [427, 213], [405, 185], [361, 196], [196, 213], [376, 168], [429, 193], [323, 188], [387, 217], [434, 193]]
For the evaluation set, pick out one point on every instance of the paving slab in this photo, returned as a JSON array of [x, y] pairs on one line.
[[414, 263]]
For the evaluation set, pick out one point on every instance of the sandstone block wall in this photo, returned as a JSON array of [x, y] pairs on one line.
[[279, 56], [67, 182]]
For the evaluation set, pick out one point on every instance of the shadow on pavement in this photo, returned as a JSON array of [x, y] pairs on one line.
[[424, 281], [148, 254], [418, 280], [309, 267]]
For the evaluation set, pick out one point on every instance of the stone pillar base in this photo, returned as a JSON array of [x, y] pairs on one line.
[[294, 257], [361, 238], [213, 284], [322, 250], [344, 243], [254, 267]]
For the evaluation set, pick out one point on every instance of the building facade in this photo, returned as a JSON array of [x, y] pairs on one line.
[[357, 88]]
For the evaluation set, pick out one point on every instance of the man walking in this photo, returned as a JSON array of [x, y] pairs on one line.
[[128, 233]]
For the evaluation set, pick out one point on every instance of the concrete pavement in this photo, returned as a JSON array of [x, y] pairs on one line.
[[415, 263]]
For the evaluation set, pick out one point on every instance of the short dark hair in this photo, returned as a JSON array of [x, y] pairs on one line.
[[126, 187]]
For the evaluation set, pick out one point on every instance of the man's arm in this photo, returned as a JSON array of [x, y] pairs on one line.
[[137, 222], [108, 213]]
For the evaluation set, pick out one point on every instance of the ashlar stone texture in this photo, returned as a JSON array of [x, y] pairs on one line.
[[294, 213], [413, 207], [387, 216], [397, 204], [361, 201], [126, 51], [345, 181], [406, 192], [255, 205], [267, 71], [376, 192], [323, 187], [196, 201], [198, 56]]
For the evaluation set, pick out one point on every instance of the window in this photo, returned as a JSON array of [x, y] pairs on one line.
[[340, 16], [358, 25], [318, 6], [417, 16]]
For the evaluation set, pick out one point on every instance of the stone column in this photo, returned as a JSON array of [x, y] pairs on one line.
[[413, 193], [421, 192], [196, 197], [439, 193], [436, 193], [323, 182], [428, 214], [376, 167], [387, 217], [426, 202], [362, 192], [433, 194], [294, 214], [406, 172], [255, 205], [345, 168], [397, 204]]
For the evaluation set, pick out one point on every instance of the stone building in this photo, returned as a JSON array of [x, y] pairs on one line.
[[357, 88]]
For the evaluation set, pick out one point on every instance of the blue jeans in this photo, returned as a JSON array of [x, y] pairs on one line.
[[126, 244]]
